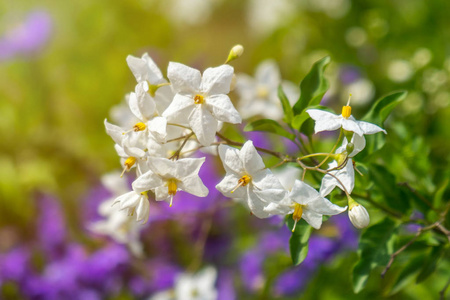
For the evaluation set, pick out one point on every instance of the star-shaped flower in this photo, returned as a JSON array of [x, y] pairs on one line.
[[135, 203], [247, 178], [166, 177], [305, 202], [326, 121], [201, 101]]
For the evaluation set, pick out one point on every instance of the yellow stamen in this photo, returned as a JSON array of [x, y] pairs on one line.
[[297, 215], [347, 109], [139, 126], [172, 188], [129, 162], [198, 99], [262, 92], [243, 181]]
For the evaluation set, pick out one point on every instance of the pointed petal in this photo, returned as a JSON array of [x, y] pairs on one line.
[[162, 193], [312, 218], [158, 127], [194, 185], [323, 206], [228, 184], [369, 128], [217, 80], [203, 124], [115, 132], [188, 166], [164, 167], [302, 193], [145, 104], [138, 67], [147, 181], [346, 175], [230, 159], [128, 200], [256, 205], [154, 73], [264, 180], [351, 125], [143, 210], [184, 80], [250, 158], [180, 108], [325, 121], [222, 109]]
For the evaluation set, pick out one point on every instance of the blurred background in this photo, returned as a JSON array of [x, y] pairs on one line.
[[62, 70]]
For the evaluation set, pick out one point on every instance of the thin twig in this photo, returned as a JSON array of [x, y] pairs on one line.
[[404, 247], [177, 153]]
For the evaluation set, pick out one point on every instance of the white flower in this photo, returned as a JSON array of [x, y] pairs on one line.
[[135, 203], [346, 174], [326, 121], [247, 178], [117, 224], [201, 101], [167, 177], [188, 286], [259, 95], [151, 81], [305, 202], [358, 214], [199, 286]]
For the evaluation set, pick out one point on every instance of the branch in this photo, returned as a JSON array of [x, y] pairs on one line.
[[404, 247]]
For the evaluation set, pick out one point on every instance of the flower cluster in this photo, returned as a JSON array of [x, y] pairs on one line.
[[173, 118]]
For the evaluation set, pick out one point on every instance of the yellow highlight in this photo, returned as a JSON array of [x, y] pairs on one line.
[[297, 215], [198, 99], [139, 126], [130, 161], [346, 111], [243, 181]]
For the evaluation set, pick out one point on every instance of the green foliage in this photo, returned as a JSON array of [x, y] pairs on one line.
[[287, 109], [313, 86], [268, 125], [383, 107], [375, 248], [298, 243]]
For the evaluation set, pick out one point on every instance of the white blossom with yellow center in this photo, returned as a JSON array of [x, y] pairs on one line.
[[201, 101], [167, 177], [305, 202], [248, 179], [326, 121]]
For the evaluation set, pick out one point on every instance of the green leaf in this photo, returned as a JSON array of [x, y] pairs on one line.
[[269, 126], [298, 243], [437, 199], [375, 248], [431, 263], [382, 107], [313, 86], [287, 109], [407, 275], [392, 194]]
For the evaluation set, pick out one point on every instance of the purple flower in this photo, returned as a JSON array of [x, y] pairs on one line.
[[51, 225], [251, 267], [349, 74], [14, 265], [225, 286], [28, 37]]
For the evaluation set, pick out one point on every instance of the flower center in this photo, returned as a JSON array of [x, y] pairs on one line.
[[347, 110], [243, 181], [129, 162], [262, 92], [199, 99], [297, 215], [139, 126], [172, 189]]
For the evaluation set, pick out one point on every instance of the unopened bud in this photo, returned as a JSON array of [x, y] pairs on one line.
[[358, 214], [340, 158], [350, 147], [235, 52]]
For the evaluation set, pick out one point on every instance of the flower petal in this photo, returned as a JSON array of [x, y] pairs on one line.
[[222, 109], [217, 80], [158, 126], [369, 128], [179, 109], [228, 184], [188, 166], [325, 121], [351, 125], [345, 175], [184, 80], [303, 193], [230, 159], [143, 210], [193, 185], [203, 124], [250, 158], [312, 218], [147, 181], [323, 206]]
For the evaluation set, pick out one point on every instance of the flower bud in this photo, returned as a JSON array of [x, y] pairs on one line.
[[340, 158], [358, 214], [350, 147], [235, 52]]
